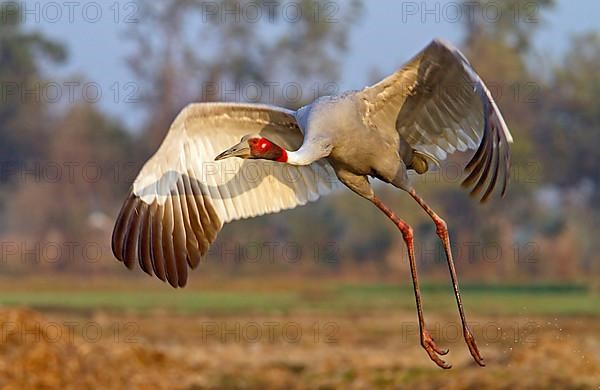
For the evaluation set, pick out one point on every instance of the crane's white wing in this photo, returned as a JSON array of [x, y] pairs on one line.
[[439, 105], [182, 197]]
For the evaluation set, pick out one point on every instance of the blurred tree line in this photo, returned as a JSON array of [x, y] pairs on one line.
[[544, 229]]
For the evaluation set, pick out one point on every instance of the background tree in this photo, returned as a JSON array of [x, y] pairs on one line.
[[194, 50], [22, 115], [60, 167]]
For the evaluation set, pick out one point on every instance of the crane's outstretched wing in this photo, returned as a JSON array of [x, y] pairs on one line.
[[182, 197], [439, 105]]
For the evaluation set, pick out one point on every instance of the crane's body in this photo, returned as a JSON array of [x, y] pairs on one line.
[[198, 180], [344, 117]]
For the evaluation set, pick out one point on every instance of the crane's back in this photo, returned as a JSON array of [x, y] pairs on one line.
[[355, 146]]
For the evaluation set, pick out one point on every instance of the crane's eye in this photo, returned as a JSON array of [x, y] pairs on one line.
[[263, 144]]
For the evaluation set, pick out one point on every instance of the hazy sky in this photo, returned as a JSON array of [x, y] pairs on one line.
[[389, 32]]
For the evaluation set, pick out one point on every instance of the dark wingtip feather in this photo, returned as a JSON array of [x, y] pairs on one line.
[[158, 262], [144, 245], [506, 176], [478, 169], [167, 244], [121, 229], [475, 165], [493, 153], [494, 178], [179, 240], [166, 238], [130, 250]]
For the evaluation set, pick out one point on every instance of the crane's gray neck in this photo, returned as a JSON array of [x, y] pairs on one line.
[[308, 153]]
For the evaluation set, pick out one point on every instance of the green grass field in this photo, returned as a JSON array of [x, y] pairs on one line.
[[545, 300], [147, 334]]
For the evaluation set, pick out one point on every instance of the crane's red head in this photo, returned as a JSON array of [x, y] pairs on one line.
[[255, 147]]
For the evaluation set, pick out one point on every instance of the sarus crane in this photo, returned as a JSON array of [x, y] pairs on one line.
[[200, 177]]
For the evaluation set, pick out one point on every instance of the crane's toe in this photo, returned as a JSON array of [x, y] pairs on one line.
[[470, 340], [433, 350]]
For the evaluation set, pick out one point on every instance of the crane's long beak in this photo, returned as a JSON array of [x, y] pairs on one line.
[[238, 150]]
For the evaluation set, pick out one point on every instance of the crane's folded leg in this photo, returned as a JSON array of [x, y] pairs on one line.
[[442, 231], [407, 233]]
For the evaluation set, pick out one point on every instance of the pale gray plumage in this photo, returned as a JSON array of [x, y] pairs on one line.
[[440, 105], [176, 207], [182, 197]]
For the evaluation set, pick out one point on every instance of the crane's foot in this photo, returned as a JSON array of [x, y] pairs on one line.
[[470, 340], [433, 350]]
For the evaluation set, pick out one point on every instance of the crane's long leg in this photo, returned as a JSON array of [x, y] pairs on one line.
[[442, 231], [407, 233]]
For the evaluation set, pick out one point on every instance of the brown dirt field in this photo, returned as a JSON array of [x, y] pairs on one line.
[[376, 350]]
